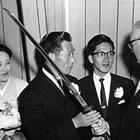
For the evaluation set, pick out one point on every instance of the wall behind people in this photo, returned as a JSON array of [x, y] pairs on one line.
[[10, 36], [82, 18]]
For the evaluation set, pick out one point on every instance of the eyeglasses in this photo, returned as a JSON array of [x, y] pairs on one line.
[[130, 43], [101, 55]]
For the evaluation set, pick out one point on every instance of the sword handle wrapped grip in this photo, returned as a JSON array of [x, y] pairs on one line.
[[90, 108]]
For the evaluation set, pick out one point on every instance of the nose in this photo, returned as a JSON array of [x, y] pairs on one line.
[[4, 67], [73, 60], [106, 57]]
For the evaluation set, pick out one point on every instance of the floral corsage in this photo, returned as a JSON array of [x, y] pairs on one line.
[[9, 115], [76, 87], [119, 92]]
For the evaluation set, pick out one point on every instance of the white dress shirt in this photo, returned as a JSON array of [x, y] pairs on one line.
[[107, 82]]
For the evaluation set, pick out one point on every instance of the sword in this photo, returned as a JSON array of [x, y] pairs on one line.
[[74, 92]]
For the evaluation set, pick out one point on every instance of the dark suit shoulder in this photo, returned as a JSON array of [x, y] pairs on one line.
[[121, 78], [38, 86], [86, 78], [72, 78]]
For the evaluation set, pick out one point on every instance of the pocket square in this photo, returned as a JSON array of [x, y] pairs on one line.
[[121, 101], [138, 106]]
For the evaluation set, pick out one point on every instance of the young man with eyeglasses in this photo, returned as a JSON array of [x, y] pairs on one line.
[[116, 90], [130, 128]]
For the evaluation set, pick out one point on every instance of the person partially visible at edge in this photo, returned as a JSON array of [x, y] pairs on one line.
[[10, 86], [118, 89], [131, 120], [47, 110]]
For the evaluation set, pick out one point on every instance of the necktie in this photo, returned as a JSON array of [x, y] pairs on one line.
[[103, 98], [60, 83]]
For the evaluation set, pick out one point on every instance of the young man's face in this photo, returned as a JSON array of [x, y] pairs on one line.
[[102, 63], [5, 64], [65, 59]]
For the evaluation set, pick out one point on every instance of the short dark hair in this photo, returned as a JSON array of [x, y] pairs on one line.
[[4, 48], [96, 40], [52, 42]]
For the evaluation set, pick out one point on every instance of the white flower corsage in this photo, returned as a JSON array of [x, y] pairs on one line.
[[76, 87], [119, 92], [9, 115]]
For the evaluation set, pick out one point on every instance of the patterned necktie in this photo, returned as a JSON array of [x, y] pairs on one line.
[[60, 82], [103, 98]]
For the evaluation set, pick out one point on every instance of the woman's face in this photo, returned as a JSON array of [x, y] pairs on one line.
[[5, 63]]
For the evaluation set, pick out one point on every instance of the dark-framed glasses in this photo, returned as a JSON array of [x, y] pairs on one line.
[[130, 43], [102, 55]]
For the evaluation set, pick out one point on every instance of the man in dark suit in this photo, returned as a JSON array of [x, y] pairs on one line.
[[130, 128], [111, 103], [47, 111]]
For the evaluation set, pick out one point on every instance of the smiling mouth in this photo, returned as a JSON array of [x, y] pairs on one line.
[[106, 65], [4, 74]]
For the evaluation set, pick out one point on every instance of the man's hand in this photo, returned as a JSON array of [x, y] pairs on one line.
[[100, 128], [84, 120]]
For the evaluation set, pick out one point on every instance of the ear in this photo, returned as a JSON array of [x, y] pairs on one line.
[[90, 58], [52, 56]]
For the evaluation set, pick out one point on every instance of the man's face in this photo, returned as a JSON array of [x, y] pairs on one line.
[[65, 59], [103, 63], [136, 44], [5, 63]]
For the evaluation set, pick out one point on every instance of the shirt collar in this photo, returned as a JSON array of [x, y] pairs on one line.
[[96, 77], [50, 76]]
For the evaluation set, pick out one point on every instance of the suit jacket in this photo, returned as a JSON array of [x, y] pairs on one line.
[[130, 128], [116, 106], [45, 112]]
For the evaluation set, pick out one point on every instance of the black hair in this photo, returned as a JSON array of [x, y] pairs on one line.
[[4, 48], [52, 42], [96, 40]]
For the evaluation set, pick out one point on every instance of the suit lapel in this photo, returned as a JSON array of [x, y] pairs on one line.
[[112, 100], [93, 98], [112, 88]]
